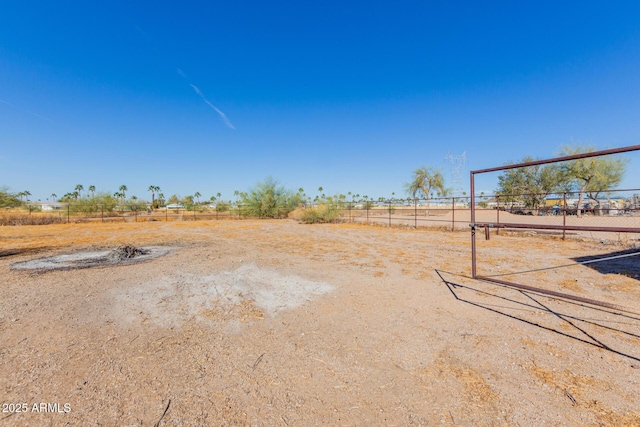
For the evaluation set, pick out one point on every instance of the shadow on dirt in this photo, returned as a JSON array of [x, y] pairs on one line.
[[24, 251], [606, 329], [621, 262]]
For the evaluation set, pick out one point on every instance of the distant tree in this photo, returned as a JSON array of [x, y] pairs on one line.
[[92, 188], [79, 189], [530, 185], [76, 194], [154, 189], [174, 200], [54, 196], [7, 199], [187, 202], [269, 199], [123, 190], [425, 181], [160, 198], [197, 196], [592, 175]]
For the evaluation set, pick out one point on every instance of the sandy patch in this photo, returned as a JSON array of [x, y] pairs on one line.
[[171, 300]]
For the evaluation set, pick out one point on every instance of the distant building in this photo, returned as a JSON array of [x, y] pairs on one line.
[[52, 206], [174, 206]]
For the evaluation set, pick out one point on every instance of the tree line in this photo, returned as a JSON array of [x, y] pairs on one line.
[[528, 187], [591, 177]]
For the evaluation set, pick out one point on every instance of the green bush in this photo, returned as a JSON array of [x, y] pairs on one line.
[[8, 200], [101, 201], [223, 206], [324, 213], [268, 199]]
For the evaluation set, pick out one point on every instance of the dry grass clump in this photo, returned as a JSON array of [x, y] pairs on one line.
[[26, 219], [321, 214]]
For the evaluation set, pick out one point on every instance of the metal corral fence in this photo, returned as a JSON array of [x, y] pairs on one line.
[[617, 208], [71, 212], [595, 213]]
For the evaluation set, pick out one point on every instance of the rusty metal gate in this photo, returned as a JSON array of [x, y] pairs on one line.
[[561, 224]]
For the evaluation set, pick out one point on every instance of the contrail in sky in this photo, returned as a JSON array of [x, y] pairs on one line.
[[27, 111], [38, 115], [217, 110], [197, 90]]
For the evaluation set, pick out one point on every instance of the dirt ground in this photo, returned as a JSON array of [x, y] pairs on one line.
[[276, 323]]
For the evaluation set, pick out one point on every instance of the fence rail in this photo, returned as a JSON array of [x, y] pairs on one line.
[[557, 213]]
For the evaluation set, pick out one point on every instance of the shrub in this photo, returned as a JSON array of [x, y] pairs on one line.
[[8, 200], [94, 204], [223, 206], [268, 199], [323, 213]]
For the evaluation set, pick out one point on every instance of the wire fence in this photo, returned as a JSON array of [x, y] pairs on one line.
[[618, 209]]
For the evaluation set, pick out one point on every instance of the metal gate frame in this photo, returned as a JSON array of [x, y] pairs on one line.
[[487, 226]]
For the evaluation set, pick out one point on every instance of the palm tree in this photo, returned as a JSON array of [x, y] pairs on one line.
[[153, 189], [92, 188], [123, 188], [79, 189], [75, 195], [26, 195], [161, 197], [54, 196], [218, 195], [426, 180], [197, 196]]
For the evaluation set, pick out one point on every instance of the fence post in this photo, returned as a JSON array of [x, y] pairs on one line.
[[415, 212], [389, 202], [166, 213], [366, 206], [68, 213], [498, 219], [453, 214], [102, 212], [194, 211], [564, 214], [135, 214]]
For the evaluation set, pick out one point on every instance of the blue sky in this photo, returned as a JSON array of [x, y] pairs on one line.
[[351, 96]]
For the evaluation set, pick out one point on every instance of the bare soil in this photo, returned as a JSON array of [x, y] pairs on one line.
[[278, 323]]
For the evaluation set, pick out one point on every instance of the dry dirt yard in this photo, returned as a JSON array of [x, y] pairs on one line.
[[276, 323]]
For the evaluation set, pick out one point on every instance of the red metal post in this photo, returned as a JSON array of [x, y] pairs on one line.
[[473, 225], [453, 214], [564, 216]]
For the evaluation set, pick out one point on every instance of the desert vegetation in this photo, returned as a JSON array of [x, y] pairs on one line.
[[591, 179]]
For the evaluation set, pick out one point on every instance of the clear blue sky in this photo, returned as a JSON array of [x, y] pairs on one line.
[[349, 95]]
